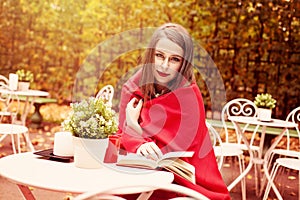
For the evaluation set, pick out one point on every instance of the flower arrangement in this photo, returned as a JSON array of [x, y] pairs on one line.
[[24, 75], [265, 101], [91, 118]]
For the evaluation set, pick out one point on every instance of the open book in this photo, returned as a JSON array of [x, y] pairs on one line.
[[170, 161]]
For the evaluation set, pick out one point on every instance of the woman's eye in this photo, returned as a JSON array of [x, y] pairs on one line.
[[175, 59], [159, 55]]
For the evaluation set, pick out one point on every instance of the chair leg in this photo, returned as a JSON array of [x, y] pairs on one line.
[[264, 181], [268, 187], [243, 181], [28, 141], [256, 176], [2, 137], [13, 143], [145, 195], [272, 184], [18, 143]]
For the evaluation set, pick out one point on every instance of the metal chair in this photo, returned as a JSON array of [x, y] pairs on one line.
[[290, 163], [233, 147], [192, 194], [106, 93], [10, 109], [240, 107], [217, 144], [4, 80], [287, 158], [293, 116]]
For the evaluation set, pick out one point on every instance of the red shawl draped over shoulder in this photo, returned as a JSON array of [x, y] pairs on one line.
[[175, 122]]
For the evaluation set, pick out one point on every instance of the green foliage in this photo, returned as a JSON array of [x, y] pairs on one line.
[[91, 118], [265, 101], [253, 44]]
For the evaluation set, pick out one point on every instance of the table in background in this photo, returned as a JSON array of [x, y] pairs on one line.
[[260, 159], [30, 95], [27, 169]]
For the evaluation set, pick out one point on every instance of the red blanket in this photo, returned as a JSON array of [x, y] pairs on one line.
[[175, 122]]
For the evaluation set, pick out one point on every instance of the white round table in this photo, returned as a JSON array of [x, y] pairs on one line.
[[28, 169]]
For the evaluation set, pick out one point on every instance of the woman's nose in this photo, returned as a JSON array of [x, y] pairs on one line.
[[165, 63]]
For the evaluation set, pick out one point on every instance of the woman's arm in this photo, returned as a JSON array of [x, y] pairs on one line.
[[131, 138]]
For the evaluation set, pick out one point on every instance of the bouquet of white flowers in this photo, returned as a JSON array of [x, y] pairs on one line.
[[91, 118]]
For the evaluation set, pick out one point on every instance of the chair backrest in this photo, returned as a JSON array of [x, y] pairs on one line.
[[3, 80], [107, 93], [237, 107], [9, 103], [293, 116], [217, 143]]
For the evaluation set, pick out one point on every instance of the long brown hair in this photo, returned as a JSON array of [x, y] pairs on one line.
[[179, 35]]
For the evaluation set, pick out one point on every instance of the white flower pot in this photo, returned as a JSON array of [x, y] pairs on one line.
[[264, 114], [89, 153], [23, 86]]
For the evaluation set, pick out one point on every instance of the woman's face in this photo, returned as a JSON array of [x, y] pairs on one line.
[[168, 59]]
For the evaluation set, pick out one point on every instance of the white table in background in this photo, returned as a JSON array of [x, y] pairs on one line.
[[30, 95], [261, 159], [29, 170]]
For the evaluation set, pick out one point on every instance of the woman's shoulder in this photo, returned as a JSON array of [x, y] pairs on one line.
[[135, 78], [131, 86]]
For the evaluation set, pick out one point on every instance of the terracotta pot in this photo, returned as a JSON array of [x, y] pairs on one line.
[[264, 114], [89, 153]]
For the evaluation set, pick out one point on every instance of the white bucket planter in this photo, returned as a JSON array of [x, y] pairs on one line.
[[89, 153], [23, 86], [264, 114]]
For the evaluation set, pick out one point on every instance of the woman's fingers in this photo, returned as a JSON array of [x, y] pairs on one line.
[[156, 149], [150, 150], [131, 103], [139, 105]]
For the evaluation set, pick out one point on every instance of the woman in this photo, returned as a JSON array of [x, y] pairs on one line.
[[161, 110]]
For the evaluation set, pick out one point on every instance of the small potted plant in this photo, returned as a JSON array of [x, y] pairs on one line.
[[25, 77], [91, 122], [265, 103]]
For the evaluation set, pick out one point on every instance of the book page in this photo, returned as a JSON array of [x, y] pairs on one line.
[[179, 172], [180, 167], [177, 154], [136, 160]]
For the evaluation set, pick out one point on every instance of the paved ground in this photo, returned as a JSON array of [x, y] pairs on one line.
[[43, 139]]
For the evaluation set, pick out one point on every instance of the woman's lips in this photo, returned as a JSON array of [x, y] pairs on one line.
[[162, 74]]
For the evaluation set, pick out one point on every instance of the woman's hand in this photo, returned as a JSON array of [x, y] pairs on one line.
[[150, 150], [133, 113]]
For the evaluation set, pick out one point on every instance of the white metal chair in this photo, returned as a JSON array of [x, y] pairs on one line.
[[107, 93], [10, 108], [217, 144], [290, 163], [240, 107], [233, 147], [192, 194], [4, 80], [293, 116]]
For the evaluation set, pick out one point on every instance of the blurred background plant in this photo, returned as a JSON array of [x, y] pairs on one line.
[[25, 75], [265, 101]]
